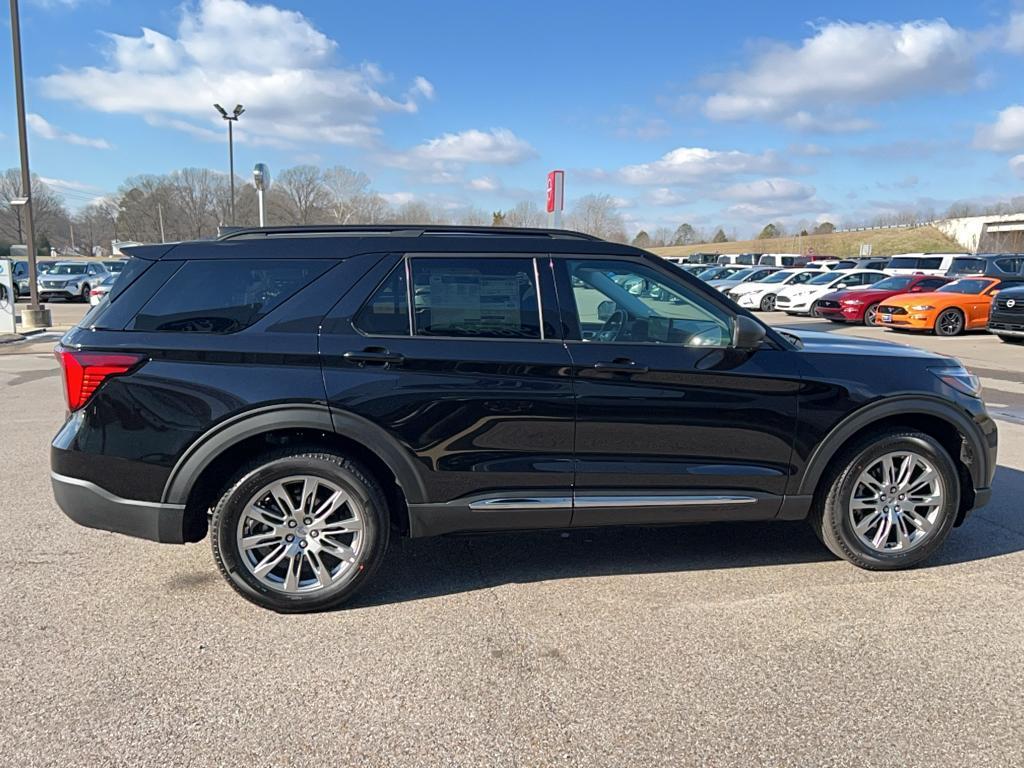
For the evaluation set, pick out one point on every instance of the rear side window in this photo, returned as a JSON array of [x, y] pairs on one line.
[[479, 298], [224, 295], [930, 262], [1010, 265]]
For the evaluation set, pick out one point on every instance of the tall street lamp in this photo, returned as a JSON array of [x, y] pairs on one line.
[[35, 316], [232, 118]]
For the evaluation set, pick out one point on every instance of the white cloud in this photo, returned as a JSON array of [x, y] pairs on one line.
[[273, 61], [809, 150], [805, 121], [41, 127], [686, 165], [1006, 134], [665, 196], [484, 184], [1014, 40], [498, 146], [399, 198], [844, 64], [79, 186], [1017, 166], [764, 190]]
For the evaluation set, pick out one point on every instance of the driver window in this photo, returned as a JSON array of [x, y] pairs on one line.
[[626, 302]]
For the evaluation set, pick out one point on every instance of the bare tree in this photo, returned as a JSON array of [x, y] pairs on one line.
[[348, 190], [524, 214], [301, 195], [661, 236], [194, 193], [598, 215], [50, 216]]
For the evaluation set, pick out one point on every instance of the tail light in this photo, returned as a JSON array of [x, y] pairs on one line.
[[95, 292], [84, 372]]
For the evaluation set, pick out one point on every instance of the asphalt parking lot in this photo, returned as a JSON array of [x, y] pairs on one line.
[[718, 645]]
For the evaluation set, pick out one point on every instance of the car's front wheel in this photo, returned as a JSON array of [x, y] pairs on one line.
[[300, 530], [890, 502], [950, 322], [83, 295], [871, 314], [768, 303]]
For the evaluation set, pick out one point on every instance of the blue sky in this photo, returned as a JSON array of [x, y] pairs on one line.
[[727, 113]]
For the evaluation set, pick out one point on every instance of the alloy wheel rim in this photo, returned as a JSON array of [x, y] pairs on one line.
[[950, 323], [896, 502], [872, 314], [301, 534]]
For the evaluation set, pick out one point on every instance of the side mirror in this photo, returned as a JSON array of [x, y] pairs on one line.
[[747, 333], [605, 310]]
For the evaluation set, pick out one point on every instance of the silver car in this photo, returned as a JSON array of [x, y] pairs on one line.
[[70, 280]]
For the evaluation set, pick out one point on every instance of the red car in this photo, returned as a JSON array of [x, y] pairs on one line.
[[861, 305]]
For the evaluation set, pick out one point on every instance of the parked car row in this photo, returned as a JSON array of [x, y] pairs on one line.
[[72, 280], [898, 298]]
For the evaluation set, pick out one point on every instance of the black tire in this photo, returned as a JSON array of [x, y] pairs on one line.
[[871, 315], [834, 526], [950, 322], [768, 303], [1011, 339], [83, 295], [350, 476]]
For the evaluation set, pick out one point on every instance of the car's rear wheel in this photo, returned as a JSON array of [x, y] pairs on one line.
[[871, 314], [1011, 339], [890, 501], [950, 322], [300, 531], [768, 303], [83, 295]]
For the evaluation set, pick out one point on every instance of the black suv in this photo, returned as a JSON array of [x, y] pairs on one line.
[[305, 394], [1006, 318]]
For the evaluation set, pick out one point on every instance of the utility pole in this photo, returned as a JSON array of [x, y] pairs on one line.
[[35, 316], [160, 214], [71, 229]]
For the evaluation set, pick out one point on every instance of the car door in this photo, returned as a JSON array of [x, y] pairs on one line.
[[979, 305], [458, 360], [673, 424]]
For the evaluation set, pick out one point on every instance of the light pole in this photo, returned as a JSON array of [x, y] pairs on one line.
[[232, 118], [35, 316]]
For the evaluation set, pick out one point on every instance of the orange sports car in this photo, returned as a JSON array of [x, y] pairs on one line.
[[962, 305]]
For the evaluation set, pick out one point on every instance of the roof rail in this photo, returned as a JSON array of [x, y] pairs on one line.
[[396, 230]]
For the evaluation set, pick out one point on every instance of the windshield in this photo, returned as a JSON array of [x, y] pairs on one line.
[[974, 285], [778, 277], [66, 269], [717, 272], [114, 266], [894, 283], [743, 274], [824, 278]]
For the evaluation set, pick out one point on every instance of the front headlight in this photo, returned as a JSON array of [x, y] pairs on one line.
[[960, 379], [922, 307], [852, 302]]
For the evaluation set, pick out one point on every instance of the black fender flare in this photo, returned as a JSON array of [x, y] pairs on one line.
[[198, 456], [903, 405]]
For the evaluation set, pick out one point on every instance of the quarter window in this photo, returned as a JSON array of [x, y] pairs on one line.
[[224, 295], [484, 297]]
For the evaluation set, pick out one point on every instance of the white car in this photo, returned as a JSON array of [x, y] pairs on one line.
[[761, 295], [937, 264], [800, 299]]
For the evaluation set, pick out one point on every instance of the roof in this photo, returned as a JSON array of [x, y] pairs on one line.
[[341, 242]]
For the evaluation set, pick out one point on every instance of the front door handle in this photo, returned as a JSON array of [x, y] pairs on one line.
[[620, 365], [374, 356]]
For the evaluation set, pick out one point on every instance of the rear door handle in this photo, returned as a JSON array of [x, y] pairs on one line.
[[375, 356], [620, 365]]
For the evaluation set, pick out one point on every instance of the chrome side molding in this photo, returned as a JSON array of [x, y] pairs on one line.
[[544, 502], [605, 502]]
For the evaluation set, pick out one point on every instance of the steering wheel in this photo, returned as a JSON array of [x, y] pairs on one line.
[[612, 326]]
